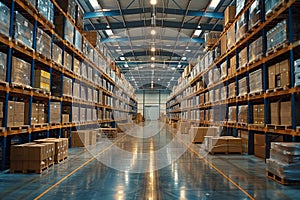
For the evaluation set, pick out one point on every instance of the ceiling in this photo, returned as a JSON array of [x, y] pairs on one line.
[[153, 43]]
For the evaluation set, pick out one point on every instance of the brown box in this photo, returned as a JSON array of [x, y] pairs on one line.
[[284, 73], [260, 151], [286, 113], [275, 113], [244, 136], [80, 138], [92, 37], [65, 118], [229, 15], [271, 77], [259, 139], [93, 137], [223, 44], [258, 114]]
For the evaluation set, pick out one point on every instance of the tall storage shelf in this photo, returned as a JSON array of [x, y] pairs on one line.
[[248, 82], [52, 80]]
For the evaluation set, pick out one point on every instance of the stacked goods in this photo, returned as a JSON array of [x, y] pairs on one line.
[[255, 50], [92, 36], [184, 127], [259, 146], [229, 15], [57, 54], [55, 108], [64, 28], [82, 114], [62, 86], [88, 114], [68, 61], [95, 96], [90, 94], [46, 8], [76, 67], [78, 40], [240, 4], [232, 90], [232, 114], [256, 83], [275, 112], [3, 58], [37, 113], [42, 79], [225, 144], [232, 67], [243, 86], [75, 114], [83, 138], [211, 38], [68, 6], [15, 114], [23, 30], [1, 113], [241, 27], [84, 70], [79, 17], [67, 86], [279, 75], [258, 114], [76, 90], [243, 114], [21, 72], [200, 132], [231, 37], [297, 72], [254, 14], [202, 116], [244, 136], [65, 118], [217, 95], [286, 113], [243, 59], [223, 44], [4, 19], [224, 93], [284, 161], [224, 70]]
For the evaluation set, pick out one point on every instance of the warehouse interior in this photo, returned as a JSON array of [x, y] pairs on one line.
[[149, 99]]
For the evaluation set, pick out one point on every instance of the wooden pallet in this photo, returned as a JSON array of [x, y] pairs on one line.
[[43, 56], [42, 125], [244, 96], [41, 91], [254, 27], [286, 87], [255, 60], [298, 129], [2, 129], [46, 21], [279, 127], [17, 128], [19, 43], [242, 124], [281, 180], [277, 48], [257, 126], [54, 124], [252, 94], [19, 85]]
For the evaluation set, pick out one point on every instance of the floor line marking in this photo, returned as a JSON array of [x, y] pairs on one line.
[[218, 170], [77, 169]]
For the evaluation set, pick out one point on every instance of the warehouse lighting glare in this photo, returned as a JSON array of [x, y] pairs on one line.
[[152, 49], [153, 2], [178, 66], [109, 32], [122, 58], [183, 58], [152, 65], [152, 58], [95, 4], [197, 32], [126, 65], [153, 32], [214, 4]]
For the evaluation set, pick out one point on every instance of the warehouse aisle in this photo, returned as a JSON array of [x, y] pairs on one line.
[[192, 176]]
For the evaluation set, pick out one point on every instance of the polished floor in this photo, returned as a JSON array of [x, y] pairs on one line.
[[150, 162]]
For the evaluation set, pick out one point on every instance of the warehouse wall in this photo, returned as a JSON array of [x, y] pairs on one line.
[[151, 98]]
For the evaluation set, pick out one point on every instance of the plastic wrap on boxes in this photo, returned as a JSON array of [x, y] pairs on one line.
[[243, 58], [232, 67], [56, 54], [256, 83], [82, 114], [229, 15], [46, 8], [78, 40], [255, 50], [55, 108], [79, 17], [224, 70], [76, 67], [211, 38], [243, 87], [21, 71], [75, 114], [284, 156], [76, 90], [23, 30], [231, 37], [68, 6], [277, 35], [69, 31], [83, 93], [3, 58], [84, 69], [67, 88], [4, 19], [297, 80], [243, 114], [232, 90], [43, 43], [232, 114], [284, 171], [224, 93], [240, 4], [68, 61], [90, 94], [241, 27], [254, 13], [297, 66]]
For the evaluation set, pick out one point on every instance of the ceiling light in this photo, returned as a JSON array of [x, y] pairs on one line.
[[188, 50], [122, 58], [118, 50], [173, 68], [153, 32], [214, 4], [95, 4], [197, 32], [153, 2], [109, 32], [178, 66], [107, 26], [126, 65], [152, 58], [152, 49], [183, 58], [158, 79], [152, 65]]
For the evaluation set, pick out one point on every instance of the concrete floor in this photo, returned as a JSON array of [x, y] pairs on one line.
[[144, 165]]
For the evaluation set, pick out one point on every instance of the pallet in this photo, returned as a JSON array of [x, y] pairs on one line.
[[46, 21], [54, 124], [252, 94], [17, 128], [19, 85], [41, 91], [286, 87], [277, 48], [254, 27], [42, 56], [255, 60], [19, 43], [242, 124], [5, 36], [42, 125], [2, 129], [258, 126], [279, 127], [281, 180], [244, 96], [298, 129], [241, 68]]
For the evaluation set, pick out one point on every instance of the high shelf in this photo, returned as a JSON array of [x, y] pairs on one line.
[[248, 82], [53, 80]]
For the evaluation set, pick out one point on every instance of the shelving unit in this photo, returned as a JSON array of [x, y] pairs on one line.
[[77, 88], [218, 86]]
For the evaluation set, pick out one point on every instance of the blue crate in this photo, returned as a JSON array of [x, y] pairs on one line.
[[4, 19]]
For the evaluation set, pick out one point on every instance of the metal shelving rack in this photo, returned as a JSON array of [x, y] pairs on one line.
[[285, 10], [12, 48]]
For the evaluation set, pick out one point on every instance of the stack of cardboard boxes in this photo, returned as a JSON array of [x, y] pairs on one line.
[[16, 113], [258, 114], [23, 30], [3, 58], [224, 144], [57, 54], [42, 79], [46, 8], [21, 71], [43, 43], [279, 75], [255, 50], [243, 114], [198, 133], [84, 138], [297, 73], [281, 113], [55, 108], [37, 113], [256, 81]]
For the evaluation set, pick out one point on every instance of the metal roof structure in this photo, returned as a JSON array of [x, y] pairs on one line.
[[153, 40]]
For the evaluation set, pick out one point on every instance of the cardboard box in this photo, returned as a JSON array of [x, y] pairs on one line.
[[286, 113], [260, 151], [80, 138], [244, 136], [275, 113], [229, 15], [65, 118], [92, 137], [259, 139], [258, 114]]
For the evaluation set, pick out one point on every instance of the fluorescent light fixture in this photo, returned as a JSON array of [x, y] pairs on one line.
[[152, 58], [126, 65], [109, 32], [183, 58], [153, 49], [95, 4], [213, 4], [153, 32], [152, 65], [188, 50], [197, 32], [118, 50], [178, 66], [122, 58], [173, 68], [153, 2]]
